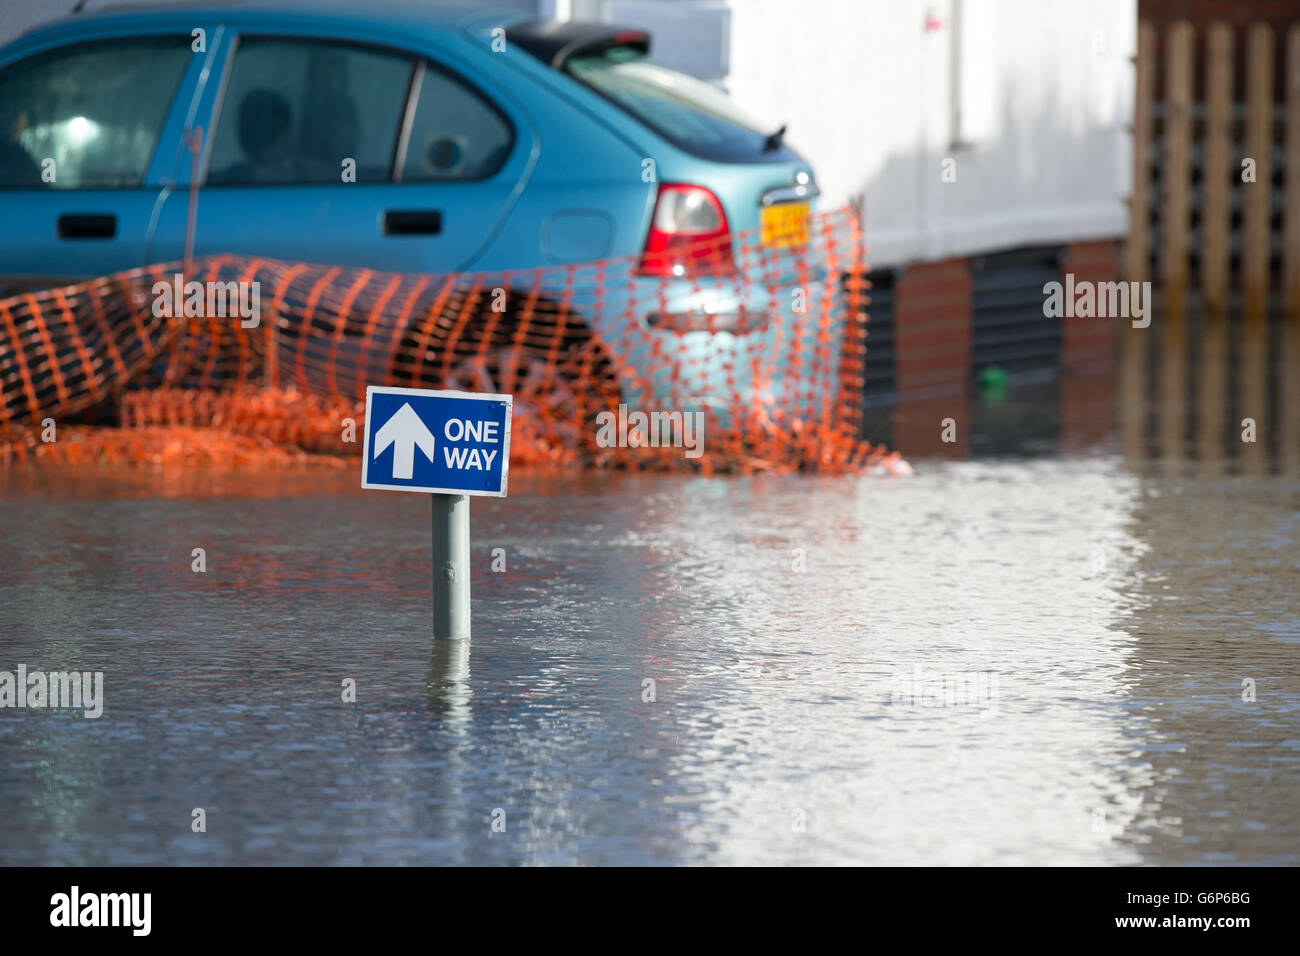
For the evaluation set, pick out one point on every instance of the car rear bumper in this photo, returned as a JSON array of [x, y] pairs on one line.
[[731, 347]]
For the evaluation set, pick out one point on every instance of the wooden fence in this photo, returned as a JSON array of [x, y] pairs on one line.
[[1215, 207]]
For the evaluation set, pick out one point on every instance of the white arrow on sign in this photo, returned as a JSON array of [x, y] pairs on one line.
[[404, 431]]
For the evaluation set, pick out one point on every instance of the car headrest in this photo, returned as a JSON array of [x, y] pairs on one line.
[[264, 126]]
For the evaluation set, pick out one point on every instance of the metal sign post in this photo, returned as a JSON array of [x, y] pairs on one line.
[[450, 566], [463, 440]]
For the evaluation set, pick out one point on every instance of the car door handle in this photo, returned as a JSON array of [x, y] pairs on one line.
[[412, 222], [87, 226]]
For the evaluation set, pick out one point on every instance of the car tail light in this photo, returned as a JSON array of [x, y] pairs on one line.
[[689, 234]]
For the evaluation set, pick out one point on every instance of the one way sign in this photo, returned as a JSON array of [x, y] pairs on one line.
[[451, 443]]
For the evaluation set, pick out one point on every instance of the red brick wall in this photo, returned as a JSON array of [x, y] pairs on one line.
[[932, 330], [1088, 345], [1087, 411], [918, 427]]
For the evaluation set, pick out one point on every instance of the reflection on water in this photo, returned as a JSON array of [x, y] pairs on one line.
[[1035, 654]]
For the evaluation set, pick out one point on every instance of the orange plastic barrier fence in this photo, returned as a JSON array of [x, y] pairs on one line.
[[743, 355]]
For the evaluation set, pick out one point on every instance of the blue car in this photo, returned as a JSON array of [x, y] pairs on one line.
[[417, 139]]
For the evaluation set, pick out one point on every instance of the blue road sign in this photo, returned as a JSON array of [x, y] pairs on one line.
[[451, 443]]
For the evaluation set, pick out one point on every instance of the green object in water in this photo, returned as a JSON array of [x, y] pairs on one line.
[[993, 381]]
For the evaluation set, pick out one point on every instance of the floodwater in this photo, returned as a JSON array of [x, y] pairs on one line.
[[1079, 648]]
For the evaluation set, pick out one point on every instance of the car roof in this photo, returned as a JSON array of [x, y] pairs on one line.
[[407, 15]]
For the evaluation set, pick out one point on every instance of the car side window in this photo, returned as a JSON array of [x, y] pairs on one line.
[[88, 116], [305, 111], [455, 134]]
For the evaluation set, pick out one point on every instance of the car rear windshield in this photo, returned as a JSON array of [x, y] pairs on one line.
[[690, 113]]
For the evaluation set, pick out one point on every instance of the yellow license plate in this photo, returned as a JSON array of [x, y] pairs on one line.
[[785, 224]]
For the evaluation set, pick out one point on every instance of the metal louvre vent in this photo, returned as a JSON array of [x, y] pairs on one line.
[[878, 379], [1010, 331]]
